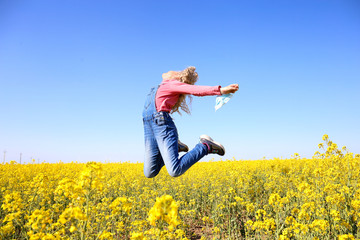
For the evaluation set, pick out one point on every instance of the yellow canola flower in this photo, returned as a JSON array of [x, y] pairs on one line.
[[7, 229], [71, 213], [164, 209], [356, 204], [137, 236], [320, 225], [12, 202], [121, 203], [105, 235], [325, 137], [274, 199], [72, 229], [346, 237], [39, 219]]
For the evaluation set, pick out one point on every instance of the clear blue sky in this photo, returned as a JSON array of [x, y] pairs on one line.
[[74, 75]]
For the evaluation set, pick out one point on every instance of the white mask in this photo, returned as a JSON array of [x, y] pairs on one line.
[[221, 100]]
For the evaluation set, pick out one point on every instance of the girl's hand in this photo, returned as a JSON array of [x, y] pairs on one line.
[[229, 89]]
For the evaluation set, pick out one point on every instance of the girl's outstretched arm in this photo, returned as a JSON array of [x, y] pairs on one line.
[[229, 89]]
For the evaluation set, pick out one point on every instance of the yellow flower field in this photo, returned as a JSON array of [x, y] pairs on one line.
[[295, 198]]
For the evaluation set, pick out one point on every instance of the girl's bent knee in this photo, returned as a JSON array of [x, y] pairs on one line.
[[174, 173], [150, 174]]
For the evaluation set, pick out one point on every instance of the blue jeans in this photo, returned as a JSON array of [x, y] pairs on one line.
[[161, 143]]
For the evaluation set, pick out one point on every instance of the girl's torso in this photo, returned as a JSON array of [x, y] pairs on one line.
[[169, 91]]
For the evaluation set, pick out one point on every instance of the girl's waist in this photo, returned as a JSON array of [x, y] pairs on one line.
[[152, 115]]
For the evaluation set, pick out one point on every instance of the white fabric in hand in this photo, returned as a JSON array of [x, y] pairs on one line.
[[221, 100]]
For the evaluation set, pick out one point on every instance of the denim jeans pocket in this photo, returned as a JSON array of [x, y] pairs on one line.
[[159, 119]]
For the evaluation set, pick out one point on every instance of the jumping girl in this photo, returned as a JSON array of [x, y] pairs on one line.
[[162, 145]]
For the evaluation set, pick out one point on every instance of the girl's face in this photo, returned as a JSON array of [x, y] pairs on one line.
[[170, 75]]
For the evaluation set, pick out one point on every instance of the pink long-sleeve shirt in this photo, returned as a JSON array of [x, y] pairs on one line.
[[170, 90]]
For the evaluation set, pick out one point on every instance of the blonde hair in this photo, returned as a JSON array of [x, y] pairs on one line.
[[189, 76]]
